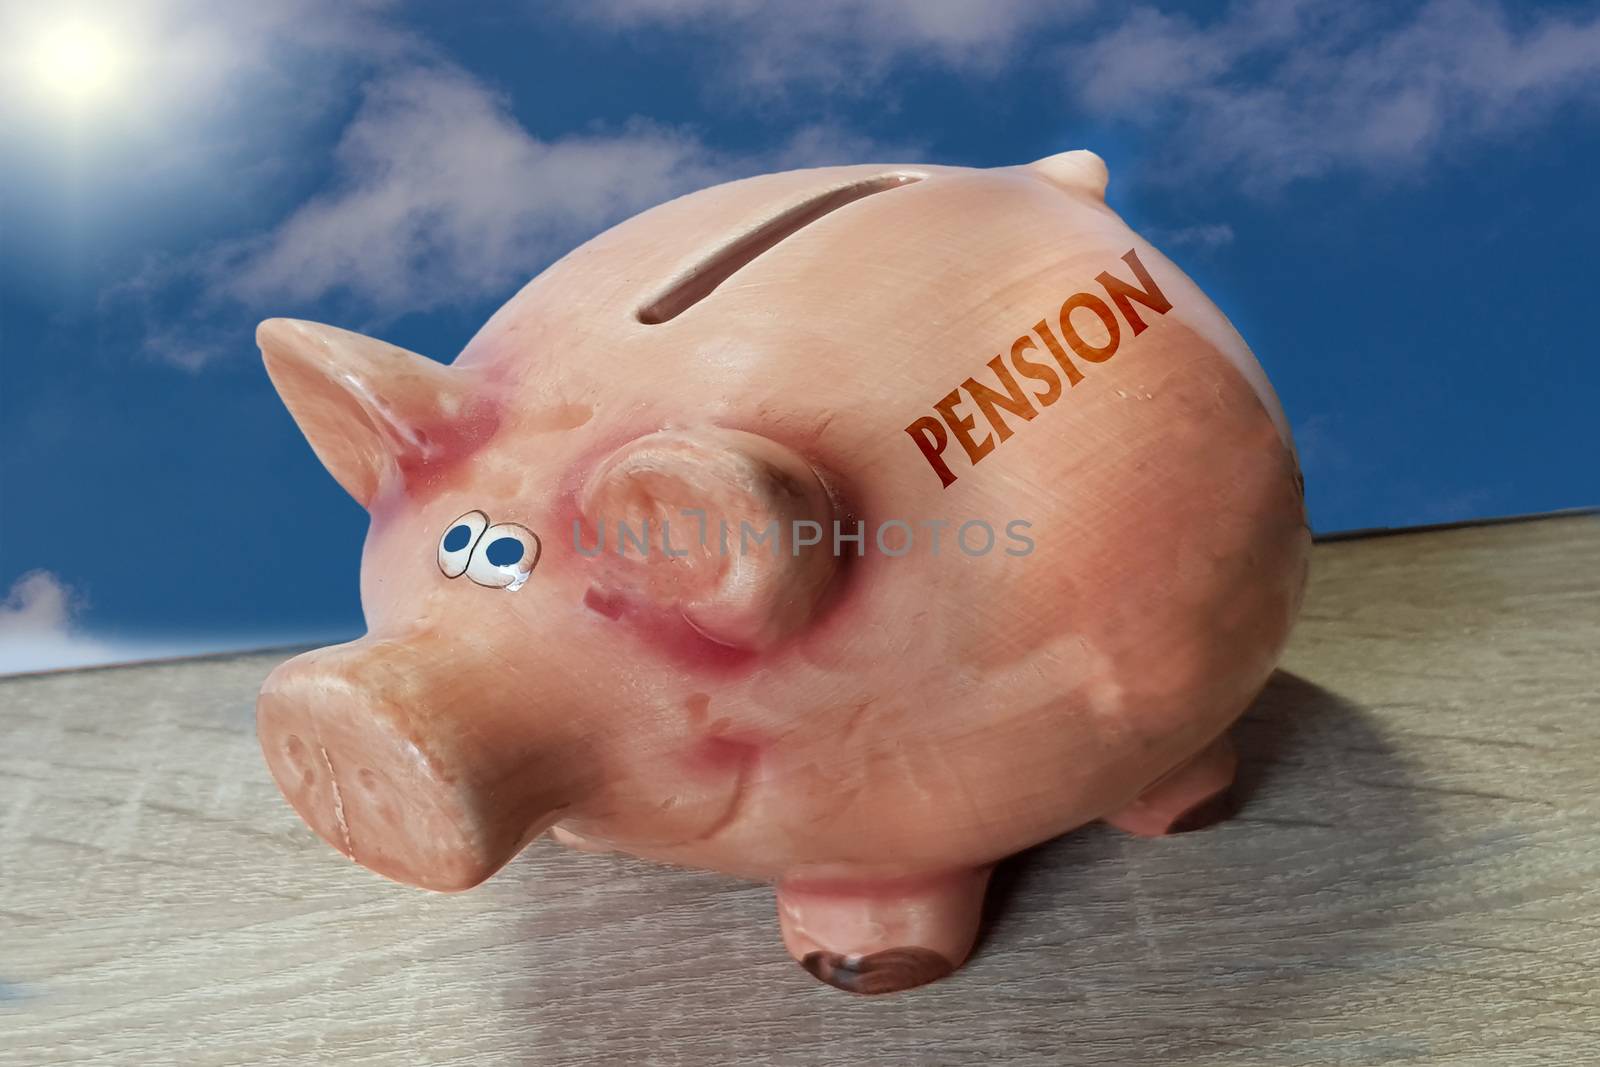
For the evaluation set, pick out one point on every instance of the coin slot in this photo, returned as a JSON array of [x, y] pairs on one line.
[[693, 287]]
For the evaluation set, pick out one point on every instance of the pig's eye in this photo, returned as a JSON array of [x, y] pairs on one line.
[[504, 556], [455, 547]]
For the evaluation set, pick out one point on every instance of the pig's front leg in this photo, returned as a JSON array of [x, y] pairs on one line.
[[1193, 796], [882, 935]]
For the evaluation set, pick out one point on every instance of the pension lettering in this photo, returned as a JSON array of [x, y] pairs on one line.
[[1043, 369]]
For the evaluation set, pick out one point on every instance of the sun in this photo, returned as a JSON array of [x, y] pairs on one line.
[[76, 62]]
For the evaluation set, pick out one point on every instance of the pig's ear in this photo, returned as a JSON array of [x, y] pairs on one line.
[[363, 404], [1078, 171], [714, 499]]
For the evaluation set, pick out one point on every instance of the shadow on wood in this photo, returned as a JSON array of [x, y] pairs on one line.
[[1213, 922]]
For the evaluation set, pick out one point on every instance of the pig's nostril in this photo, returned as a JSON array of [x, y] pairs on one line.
[[298, 762], [380, 796], [295, 755]]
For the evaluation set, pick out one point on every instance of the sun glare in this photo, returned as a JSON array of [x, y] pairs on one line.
[[76, 62]]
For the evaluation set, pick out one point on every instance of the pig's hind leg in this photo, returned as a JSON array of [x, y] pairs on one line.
[[877, 935], [1194, 795], [577, 842]]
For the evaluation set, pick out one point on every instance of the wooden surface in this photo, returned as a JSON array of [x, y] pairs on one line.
[[1412, 880]]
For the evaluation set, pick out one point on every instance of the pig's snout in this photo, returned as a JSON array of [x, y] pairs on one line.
[[404, 768]]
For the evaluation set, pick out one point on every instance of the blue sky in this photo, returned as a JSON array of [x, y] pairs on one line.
[[1393, 201]]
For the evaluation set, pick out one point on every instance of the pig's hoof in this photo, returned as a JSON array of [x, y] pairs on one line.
[[1150, 821], [1193, 796], [576, 842], [1207, 813], [881, 934], [888, 971]]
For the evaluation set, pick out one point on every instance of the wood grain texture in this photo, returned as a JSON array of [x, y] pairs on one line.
[[1412, 880]]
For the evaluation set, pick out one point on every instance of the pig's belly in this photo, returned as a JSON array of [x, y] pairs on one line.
[[880, 801], [966, 752]]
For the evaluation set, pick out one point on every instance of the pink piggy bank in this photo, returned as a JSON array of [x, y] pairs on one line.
[[848, 529]]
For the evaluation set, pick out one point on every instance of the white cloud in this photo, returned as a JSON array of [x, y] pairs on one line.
[[1206, 235], [36, 631], [845, 46], [40, 631], [1281, 90], [37, 603], [1267, 93], [442, 198]]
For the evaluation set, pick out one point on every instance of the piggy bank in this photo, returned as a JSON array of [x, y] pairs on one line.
[[846, 529]]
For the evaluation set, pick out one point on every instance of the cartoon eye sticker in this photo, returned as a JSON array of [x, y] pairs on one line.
[[460, 537], [504, 556]]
